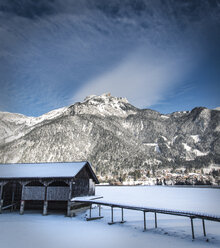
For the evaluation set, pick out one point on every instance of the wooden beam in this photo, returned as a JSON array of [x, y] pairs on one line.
[[9, 206], [94, 218]]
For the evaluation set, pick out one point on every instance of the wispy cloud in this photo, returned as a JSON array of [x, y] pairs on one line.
[[53, 53], [145, 78]]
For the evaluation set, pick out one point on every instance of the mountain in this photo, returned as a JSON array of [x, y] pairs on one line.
[[123, 143]]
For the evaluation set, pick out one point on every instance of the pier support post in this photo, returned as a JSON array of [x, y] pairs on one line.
[[22, 207], [155, 215], [144, 220], [1, 198], [112, 214], [90, 211], [122, 215], [203, 224], [99, 210], [193, 236]]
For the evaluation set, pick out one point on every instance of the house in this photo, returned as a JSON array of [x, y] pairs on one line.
[[45, 185]]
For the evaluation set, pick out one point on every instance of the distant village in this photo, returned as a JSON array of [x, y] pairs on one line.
[[166, 176]]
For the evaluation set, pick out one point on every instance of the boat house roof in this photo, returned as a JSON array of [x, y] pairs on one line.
[[44, 170]]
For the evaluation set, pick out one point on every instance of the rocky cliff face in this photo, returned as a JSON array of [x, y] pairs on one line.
[[120, 140]]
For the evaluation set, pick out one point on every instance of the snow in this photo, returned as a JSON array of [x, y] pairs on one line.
[[174, 138], [196, 152], [164, 138], [211, 167], [195, 138], [48, 116], [24, 124], [199, 153], [104, 105], [186, 147], [164, 117], [34, 230], [217, 129], [155, 145], [150, 144], [41, 170], [30, 121]]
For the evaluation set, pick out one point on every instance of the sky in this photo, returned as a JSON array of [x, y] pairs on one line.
[[159, 54]]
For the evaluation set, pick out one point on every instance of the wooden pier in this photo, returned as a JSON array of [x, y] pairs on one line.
[[189, 214]]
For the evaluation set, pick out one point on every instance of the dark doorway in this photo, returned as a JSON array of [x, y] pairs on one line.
[[12, 195]]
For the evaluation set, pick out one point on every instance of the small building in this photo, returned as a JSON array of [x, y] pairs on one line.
[[45, 185]]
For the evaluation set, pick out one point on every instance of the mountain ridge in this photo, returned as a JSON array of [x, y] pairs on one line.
[[122, 141]]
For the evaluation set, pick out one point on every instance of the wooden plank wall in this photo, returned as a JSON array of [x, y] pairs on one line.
[[57, 193], [33, 193]]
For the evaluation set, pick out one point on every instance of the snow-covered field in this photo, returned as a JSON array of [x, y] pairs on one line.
[[33, 230]]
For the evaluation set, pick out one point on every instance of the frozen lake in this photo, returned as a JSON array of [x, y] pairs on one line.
[[179, 198], [37, 231]]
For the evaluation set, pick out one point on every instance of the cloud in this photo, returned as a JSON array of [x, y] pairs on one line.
[[145, 78], [55, 52]]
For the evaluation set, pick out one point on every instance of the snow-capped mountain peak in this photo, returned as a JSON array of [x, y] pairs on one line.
[[104, 104]]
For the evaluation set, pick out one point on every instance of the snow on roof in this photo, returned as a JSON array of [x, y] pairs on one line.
[[42, 170]]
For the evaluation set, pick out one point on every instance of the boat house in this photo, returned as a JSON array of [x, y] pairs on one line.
[[45, 185]]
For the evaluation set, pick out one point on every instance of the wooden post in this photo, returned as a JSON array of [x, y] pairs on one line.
[[69, 199], [22, 201], [144, 220], [45, 202], [155, 215], [45, 207], [193, 236], [1, 200], [90, 211], [22, 207], [112, 214], [122, 215], [203, 224], [99, 210]]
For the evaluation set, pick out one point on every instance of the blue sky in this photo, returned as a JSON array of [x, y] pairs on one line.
[[159, 54]]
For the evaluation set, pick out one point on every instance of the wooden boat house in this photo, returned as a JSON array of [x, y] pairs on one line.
[[43, 184]]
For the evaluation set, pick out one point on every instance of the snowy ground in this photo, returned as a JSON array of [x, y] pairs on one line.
[[36, 231]]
